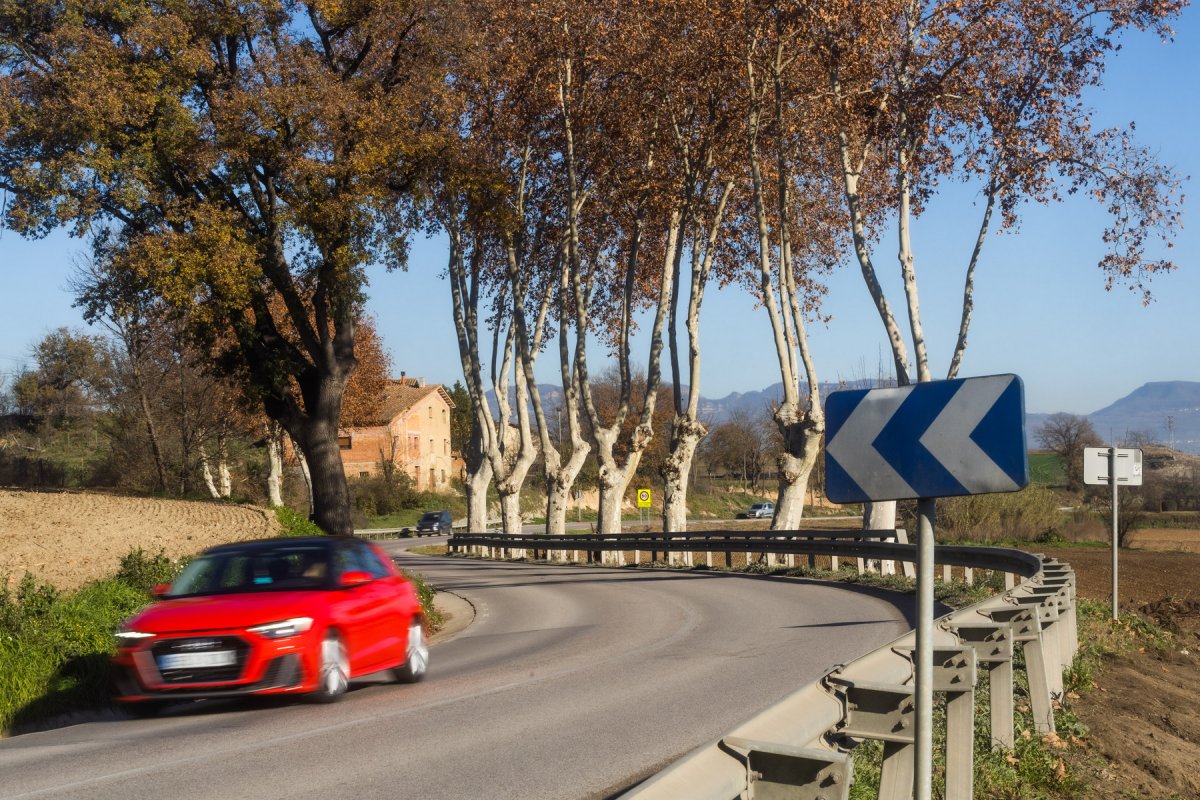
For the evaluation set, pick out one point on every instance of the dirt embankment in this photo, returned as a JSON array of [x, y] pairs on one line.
[[70, 538], [1143, 721]]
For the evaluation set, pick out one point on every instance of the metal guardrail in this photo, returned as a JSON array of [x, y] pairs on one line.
[[802, 746]]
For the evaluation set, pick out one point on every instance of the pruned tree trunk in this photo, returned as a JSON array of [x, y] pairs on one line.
[[206, 472], [802, 446], [880, 515], [224, 479], [686, 434], [476, 482], [610, 508], [274, 464]]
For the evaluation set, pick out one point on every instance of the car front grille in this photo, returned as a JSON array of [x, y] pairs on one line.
[[164, 651]]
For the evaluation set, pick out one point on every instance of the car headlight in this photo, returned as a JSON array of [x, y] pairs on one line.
[[284, 628], [130, 638]]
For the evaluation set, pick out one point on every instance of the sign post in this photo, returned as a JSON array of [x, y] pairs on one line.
[[1114, 466], [643, 502], [924, 441]]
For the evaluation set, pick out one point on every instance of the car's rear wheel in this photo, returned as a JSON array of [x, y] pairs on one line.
[[416, 664], [334, 677]]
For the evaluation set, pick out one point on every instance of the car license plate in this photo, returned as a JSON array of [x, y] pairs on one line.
[[216, 658]]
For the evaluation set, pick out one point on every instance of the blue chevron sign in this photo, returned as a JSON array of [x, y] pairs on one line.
[[936, 439]]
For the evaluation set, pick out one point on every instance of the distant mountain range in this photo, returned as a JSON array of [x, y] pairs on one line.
[[1168, 411]]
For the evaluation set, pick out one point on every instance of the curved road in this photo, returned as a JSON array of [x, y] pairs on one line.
[[571, 682]]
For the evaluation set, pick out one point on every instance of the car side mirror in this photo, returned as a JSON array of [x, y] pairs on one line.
[[160, 589], [354, 578]]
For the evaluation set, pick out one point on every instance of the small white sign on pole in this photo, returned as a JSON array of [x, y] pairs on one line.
[[1096, 462], [1113, 466]]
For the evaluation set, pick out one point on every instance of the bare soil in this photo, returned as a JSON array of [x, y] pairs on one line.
[[1143, 719], [70, 538]]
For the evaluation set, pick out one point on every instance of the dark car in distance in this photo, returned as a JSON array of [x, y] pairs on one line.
[[435, 522]]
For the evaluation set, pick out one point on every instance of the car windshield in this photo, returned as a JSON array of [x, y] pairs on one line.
[[285, 567], [431, 516]]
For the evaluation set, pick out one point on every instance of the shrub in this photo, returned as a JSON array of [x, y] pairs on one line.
[[293, 523], [143, 571], [55, 646], [433, 617], [1019, 516], [381, 495]]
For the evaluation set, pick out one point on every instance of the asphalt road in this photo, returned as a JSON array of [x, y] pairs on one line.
[[571, 682]]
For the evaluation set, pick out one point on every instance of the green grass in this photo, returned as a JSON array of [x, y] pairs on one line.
[[1046, 469], [55, 646]]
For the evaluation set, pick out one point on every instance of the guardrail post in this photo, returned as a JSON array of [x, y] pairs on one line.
[[993, 643], [886, 712], [781, 771], [956, 677], [896, 774], [1027, 630]]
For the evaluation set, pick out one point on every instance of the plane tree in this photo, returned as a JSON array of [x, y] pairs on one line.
[[923, 94], [788, 237], [244, 153]]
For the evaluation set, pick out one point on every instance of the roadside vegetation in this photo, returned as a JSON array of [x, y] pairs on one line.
[[55, 645]]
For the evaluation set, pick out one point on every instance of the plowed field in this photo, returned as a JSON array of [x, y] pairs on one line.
[[70, 538]]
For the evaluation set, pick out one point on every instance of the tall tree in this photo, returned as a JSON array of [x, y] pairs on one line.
[[246, 152], [790, 236], [923, 92]]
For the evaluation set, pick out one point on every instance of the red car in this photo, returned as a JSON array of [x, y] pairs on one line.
[[272, 617]]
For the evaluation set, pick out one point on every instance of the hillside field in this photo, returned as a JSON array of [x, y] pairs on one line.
[[69, 538]]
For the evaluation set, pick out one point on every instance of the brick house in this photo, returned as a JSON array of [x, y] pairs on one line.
[[413, 432]]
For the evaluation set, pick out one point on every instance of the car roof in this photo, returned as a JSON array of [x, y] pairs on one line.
[[268, 544]]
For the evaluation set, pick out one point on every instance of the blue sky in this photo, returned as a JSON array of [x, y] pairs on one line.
[[1041, 308]]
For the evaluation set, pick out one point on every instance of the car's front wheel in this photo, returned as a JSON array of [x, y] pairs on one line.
[[417, 663], [334, 678]]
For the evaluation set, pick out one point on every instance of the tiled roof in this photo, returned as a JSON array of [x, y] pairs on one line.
[[401, 395]]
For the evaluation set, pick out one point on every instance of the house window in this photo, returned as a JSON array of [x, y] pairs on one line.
[[443, 476], [443, 415], [447, 448], [431, 477], [431, 447], [344, 442], [431, 412], [364, 474]]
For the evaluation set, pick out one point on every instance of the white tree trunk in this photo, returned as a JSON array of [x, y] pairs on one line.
[[613, 484], [224, 479], [510, 508], [685, 437], [274, 464], [879, 516], [476, 485], [206, 471], [304, 473]]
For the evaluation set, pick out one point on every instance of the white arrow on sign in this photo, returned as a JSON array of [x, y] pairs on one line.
[[934, 439], [854, 445], [949, 437]]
